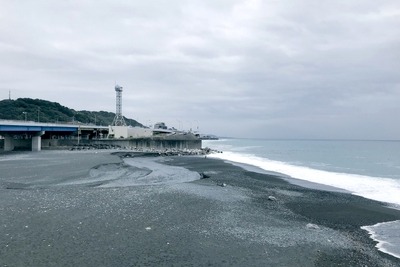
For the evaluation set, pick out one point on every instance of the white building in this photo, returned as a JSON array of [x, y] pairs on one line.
[[128, 132]]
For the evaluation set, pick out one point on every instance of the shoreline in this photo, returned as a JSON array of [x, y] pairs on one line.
[[58, 206], [310, 186], [381, 244], [294, 181], [359, 184]]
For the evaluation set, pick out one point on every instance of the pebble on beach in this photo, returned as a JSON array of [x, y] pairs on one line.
[[203, 175], [312, 226]]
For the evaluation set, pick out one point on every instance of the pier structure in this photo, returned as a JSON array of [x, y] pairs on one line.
[[21, 135]]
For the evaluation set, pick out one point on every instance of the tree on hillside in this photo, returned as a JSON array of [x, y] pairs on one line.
[[52, 112]]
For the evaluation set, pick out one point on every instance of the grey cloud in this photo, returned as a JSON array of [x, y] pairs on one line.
[[270, 69]]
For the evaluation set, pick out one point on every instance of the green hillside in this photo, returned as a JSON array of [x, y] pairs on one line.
[[52, 112]]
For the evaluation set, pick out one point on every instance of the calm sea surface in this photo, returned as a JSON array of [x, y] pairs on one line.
[[367, 168]]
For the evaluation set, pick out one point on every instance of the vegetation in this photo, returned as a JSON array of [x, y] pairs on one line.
[[52, 112]]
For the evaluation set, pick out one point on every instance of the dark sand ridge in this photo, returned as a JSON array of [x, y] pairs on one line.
[[88, 208]]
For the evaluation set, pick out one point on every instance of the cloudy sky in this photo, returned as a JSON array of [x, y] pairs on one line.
[[267, 68]]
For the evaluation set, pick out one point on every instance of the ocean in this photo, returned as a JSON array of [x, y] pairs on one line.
[[370, 169]]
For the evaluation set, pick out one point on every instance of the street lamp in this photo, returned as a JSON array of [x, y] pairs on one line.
[[24, 114]]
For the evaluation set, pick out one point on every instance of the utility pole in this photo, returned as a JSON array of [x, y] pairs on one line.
[[38, 112], [24, 114]]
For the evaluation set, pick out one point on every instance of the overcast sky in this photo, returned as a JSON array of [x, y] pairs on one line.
[[267, 69]]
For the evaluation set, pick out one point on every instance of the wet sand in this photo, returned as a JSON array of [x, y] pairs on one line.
[[89, 208]]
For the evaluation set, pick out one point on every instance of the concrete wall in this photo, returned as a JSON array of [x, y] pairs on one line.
[[129, 143], [157, 143], [165, 144], [137, 132]]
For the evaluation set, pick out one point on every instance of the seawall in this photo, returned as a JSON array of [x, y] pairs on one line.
[[156, 143], [131, 143], [176, 142]]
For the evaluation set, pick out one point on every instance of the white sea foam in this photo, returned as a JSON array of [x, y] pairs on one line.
[[387, 235], [376, 188]]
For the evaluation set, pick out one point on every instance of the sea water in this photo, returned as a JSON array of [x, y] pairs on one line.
[[370, 169]]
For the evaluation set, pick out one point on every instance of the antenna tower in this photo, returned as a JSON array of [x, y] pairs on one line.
[[118, 119]]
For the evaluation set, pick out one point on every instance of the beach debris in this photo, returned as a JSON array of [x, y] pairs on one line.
[[312, 226], [272, 198], [203, 175], [148, 228], [222, 184]]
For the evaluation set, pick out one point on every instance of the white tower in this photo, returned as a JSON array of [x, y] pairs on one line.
[[119, 119]]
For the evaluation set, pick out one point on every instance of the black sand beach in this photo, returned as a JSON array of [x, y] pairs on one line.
[[89, 208]]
